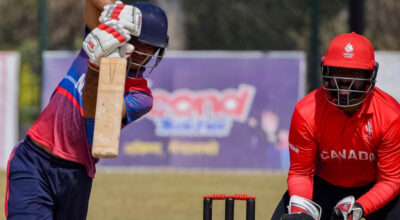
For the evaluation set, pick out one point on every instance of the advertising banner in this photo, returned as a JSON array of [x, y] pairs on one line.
[[9, 71], [212, 109], [55, 67]]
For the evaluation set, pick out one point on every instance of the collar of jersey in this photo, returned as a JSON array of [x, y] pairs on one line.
[[364, 111]]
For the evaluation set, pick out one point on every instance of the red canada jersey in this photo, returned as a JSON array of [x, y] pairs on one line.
[[346, 151]]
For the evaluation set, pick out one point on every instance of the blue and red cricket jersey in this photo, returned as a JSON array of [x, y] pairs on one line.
[[63, 128], [346, 151]]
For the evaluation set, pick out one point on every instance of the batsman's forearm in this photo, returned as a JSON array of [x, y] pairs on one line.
[[123, 111], [89, 93], [93, 9], [99, 4]]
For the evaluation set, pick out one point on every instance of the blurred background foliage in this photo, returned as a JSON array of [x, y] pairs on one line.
[[194, 25]]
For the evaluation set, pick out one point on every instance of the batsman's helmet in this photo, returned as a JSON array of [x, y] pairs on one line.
[[355, 53], [154, 25], [153, 31]]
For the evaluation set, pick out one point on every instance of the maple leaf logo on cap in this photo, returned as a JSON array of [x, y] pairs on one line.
[[349, 51], [349, 48]]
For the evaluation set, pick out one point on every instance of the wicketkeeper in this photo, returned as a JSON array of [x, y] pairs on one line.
[[344, 142], [50, 172]]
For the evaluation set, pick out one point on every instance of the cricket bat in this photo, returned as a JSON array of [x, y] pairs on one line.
[[109, 106]]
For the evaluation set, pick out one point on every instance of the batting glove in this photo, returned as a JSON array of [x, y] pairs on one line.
[[127, 15], [347, 209], [107, 38], [302, 209]]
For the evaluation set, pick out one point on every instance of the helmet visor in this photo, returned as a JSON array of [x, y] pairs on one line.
[[143, 59], [346, 87]]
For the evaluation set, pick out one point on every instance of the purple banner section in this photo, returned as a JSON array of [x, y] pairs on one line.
[[55, 67], [214, 110]]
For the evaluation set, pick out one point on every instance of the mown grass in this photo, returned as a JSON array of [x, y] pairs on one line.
[[174, 195]]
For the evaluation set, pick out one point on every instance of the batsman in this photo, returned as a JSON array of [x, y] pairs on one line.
[[344, 142], [50, 172]]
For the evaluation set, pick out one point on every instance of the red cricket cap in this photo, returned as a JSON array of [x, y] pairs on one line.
[[350, 50]]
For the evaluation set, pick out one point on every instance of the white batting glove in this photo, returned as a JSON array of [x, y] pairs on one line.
[[302, 208], [127, 15], [347, 209], [104, 39]]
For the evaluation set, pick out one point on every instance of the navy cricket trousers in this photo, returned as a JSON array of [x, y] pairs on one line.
[[40, 186]]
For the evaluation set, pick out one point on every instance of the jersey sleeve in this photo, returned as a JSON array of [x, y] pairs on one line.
[[388, 173], [302, 148], [138, 99]]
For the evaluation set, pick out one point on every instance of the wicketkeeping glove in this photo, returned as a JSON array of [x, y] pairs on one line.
[[347, 209], [302, 209], [127, 15], [107, 38]]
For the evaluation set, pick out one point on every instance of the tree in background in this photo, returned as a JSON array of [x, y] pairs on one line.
[[382, 27]]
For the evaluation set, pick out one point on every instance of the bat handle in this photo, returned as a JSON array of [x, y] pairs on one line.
[[114, 53]]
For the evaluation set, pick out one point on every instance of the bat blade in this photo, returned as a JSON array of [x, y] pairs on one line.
[[109, 106]]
